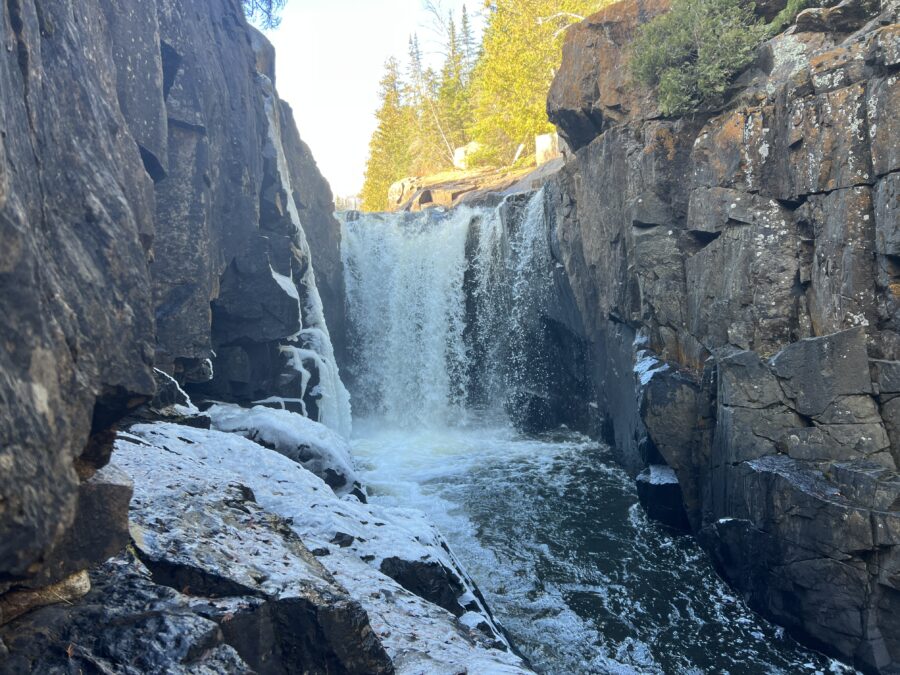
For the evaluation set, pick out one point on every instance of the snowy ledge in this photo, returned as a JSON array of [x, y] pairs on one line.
[[220, 511]]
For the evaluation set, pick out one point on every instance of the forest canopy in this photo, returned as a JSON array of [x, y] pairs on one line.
[[491, 92]]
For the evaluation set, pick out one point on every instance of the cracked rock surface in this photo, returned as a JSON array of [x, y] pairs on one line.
[[737, 277]]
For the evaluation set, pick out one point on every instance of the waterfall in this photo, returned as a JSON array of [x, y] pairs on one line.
[[443, 309]]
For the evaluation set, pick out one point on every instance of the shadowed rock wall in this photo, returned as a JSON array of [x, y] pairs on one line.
[[143, 222], [737, 276]]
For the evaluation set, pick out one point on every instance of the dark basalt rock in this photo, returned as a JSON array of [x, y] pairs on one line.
[[660, 495], [737, 280], [99, 530], [429, 580], [125, 624], [76, 220]]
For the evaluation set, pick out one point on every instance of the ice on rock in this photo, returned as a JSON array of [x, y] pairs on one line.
[[319, 449], [350, 539], [334, 399], [286, 284], [647, 365]]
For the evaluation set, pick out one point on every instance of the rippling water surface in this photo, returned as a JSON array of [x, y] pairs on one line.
[[551, 531]]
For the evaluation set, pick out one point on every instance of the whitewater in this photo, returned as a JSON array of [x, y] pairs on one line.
[[441, 307]]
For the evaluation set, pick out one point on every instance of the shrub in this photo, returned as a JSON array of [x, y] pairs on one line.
[[691, 54], [786, 16]]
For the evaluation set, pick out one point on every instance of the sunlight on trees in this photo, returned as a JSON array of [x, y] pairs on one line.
[[493, 92]]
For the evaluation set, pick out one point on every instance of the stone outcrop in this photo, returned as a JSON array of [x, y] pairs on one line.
[[736, 275], [152, 191], [592, 92]]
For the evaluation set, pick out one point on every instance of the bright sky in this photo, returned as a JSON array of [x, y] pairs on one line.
[[330, 57]]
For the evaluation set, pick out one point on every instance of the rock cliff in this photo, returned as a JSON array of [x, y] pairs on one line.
[[159, 220], [144, 209], [736, 273]]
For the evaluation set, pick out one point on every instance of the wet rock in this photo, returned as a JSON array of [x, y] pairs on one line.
[[660, 495], [125, 624], [429, 580]]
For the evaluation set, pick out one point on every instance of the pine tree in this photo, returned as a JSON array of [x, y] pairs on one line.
[[389, 154], [467, 45], [521, 50], [453, 94]]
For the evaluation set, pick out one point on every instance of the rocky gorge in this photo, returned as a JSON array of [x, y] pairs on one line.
[[717, 297]]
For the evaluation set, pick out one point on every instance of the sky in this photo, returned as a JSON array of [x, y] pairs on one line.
[[330, 56]]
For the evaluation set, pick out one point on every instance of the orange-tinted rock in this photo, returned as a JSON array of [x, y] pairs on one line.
[[591, 89]]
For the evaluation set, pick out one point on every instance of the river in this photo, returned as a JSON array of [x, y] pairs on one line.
[[548, 526]]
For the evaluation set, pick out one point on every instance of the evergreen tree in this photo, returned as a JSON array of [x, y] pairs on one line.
[[467, 45], [427, 151], [264, 12], [521, 50], [389, 152], [453, 94]]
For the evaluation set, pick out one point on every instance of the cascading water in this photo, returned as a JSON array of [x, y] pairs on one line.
[[446, 314], [406, 312], [443, 308]]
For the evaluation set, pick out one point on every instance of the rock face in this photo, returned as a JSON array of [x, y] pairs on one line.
[[152, 189], [736, 276], [76, 220]]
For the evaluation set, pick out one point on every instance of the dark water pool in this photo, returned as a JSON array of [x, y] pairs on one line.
[[551, 531]]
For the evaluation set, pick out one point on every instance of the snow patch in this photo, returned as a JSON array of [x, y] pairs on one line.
[[319, 449], [419, 636]]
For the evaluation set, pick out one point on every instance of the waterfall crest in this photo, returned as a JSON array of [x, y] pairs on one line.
[[443, 307]]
